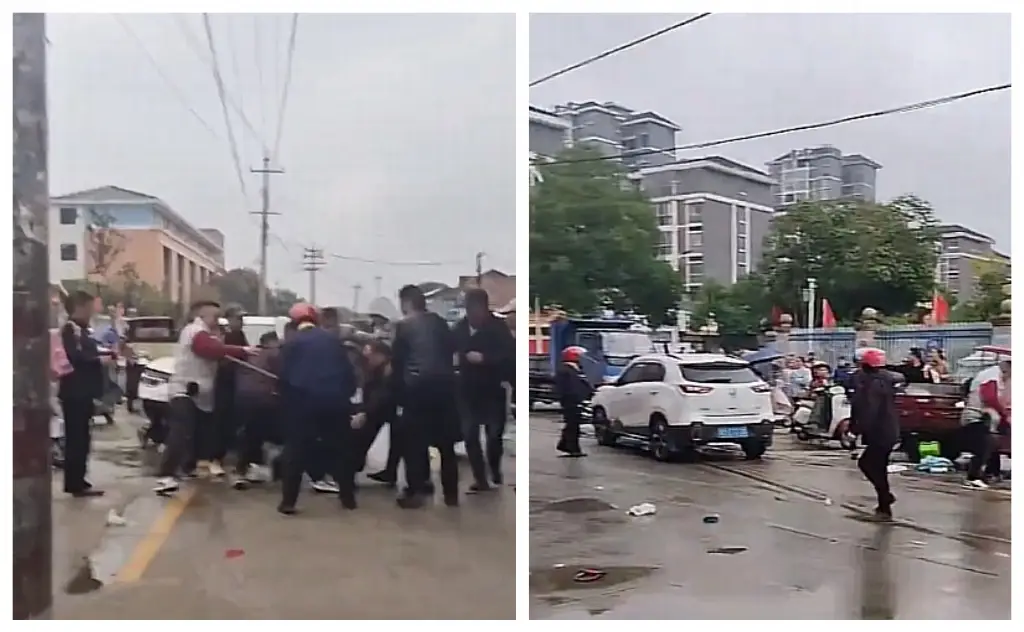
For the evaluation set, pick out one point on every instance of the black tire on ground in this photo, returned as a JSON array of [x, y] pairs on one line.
[[753, 450], [602, 431], [950, 448], [661, 450], [910, 446]]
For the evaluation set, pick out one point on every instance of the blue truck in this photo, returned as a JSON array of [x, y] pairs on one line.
[[610, 345]]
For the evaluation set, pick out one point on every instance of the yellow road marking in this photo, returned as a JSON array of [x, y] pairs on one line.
[[155, 538]]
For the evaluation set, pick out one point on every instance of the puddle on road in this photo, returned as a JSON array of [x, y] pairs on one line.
[[577, 505], [561, 579]]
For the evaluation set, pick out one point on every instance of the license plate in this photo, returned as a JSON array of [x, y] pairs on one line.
[[733, 433]]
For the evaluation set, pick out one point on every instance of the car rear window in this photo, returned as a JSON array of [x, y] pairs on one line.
[[718, 373]]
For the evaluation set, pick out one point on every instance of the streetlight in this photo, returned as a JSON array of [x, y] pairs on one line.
[[809, 296]]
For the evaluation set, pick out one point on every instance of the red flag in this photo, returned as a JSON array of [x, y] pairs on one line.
[[940, 310], [828, 319], [776, 314]]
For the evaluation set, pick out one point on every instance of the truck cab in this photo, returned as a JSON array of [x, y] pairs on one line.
[[610, 345]]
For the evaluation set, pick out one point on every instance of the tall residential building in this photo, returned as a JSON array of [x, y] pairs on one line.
[[713, 213], [549, 133], [640, 138], [167, 252], [964, 256], [822, 173]]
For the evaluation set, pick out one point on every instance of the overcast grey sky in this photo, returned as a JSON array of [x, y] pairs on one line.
[[733, 74], [398, 141]]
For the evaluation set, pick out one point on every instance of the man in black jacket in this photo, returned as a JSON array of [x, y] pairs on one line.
[[377, 409], [424, 376], [78, 390], [873, 416], [486, 357]]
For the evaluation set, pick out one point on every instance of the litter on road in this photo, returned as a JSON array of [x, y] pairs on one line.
[[643, 509]]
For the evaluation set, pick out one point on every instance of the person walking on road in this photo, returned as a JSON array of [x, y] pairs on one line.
[[225, 414], [191, 393], [986, 414], [424, 374], [316, 381], [574, 391], [486, 358], [873, 416], [77, 391]]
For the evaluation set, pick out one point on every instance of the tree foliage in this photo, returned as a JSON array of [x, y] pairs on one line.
[[742, 308], [104, 243], [241, 286], [988, 294], [592, 241], [860, 254]]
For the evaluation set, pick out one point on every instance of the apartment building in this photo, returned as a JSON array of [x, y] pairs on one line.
[[550, 134], [713, 214], [167, 251], [822, 173], [964, 256], [640, 138]]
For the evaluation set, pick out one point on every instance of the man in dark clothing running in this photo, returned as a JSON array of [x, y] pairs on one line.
[[78, 389], [316, 381], [873, 416], [574, 391], [424, 375], [486, 357]]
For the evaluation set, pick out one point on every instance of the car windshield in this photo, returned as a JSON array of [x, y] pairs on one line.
[[718, 373], [626, 343]]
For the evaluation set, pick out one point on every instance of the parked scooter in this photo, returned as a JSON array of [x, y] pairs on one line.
[[825, 416]]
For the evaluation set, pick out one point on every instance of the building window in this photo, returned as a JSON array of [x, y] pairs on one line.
[[695, 213], [665, 244], [741, 223], [952, 245], [644, 140], [665, 214], [695, 270], [741, 268], [696, 239], [68, 252], [68, 215], [741, 243]]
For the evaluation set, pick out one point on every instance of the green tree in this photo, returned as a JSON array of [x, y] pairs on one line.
[[592, 241], [860, 254], [988, 294], [741, 308]]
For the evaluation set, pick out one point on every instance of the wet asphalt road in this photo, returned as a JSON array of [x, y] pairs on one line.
[[217, 553], [793, 543]]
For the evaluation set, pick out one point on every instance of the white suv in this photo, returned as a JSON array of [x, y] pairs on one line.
[[675, 403]]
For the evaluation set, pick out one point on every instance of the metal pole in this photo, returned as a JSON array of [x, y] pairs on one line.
[[479, 269], [33, 529], [264, 214], [812, 297]]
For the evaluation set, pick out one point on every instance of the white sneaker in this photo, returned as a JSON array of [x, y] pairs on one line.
[[325, 486], [976, 484], [256, 474], [166, 485], [216, 469]]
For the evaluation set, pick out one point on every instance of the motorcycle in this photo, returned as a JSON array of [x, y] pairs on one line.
[[825, 415]]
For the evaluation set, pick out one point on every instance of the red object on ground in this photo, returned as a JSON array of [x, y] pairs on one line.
[[828, 319], [940, 310], [234, 553]]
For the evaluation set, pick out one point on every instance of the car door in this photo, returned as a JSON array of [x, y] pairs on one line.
[[653, 395], [620, 396], [637, 416]]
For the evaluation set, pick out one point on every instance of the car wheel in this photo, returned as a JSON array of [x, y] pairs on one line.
[[754, 450], [661, 450], [602, 430], [912, 448]]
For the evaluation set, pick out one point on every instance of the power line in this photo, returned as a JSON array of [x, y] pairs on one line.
[[287, 85], [619, 49], [394, 263], [224, 108], [257, 53], [313, 262], [921, 105], [156, 66]]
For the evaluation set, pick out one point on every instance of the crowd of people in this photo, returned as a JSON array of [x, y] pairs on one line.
[[312, 402]]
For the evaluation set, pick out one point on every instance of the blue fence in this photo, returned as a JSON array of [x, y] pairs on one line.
[[956, 339]]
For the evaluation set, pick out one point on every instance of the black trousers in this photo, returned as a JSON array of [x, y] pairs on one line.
[[569, 442], [429, 418], [368, 434], [874, 463], [225, 421], [982, 445], [318, 437], [485, 410], [191, 433], [257, 423], [77, 442]]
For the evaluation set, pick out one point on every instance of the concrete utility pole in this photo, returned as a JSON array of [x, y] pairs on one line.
[[312, 262], [264, 214], [33, 529], [376, 285], [355, 297], [480, 269]]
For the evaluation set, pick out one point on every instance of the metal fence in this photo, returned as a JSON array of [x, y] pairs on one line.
[[957, 340]]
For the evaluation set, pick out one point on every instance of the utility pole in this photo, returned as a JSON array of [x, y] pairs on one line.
[[264, 214], [355, 297], [312, 262], [376, 284], [480, 269], [33, 527]]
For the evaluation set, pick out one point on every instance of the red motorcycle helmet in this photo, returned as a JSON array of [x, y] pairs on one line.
[[302, 313], [874, 358], [573, 354]]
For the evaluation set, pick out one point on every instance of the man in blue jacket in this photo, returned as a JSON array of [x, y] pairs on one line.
[[316, 381]]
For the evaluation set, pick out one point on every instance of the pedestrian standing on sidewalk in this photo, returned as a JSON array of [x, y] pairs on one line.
[[191, 392], [873, 416], [486, 358], [424, 374], [574, 391], [77, 391], [316, 382], [225, 415], [986, 415]]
